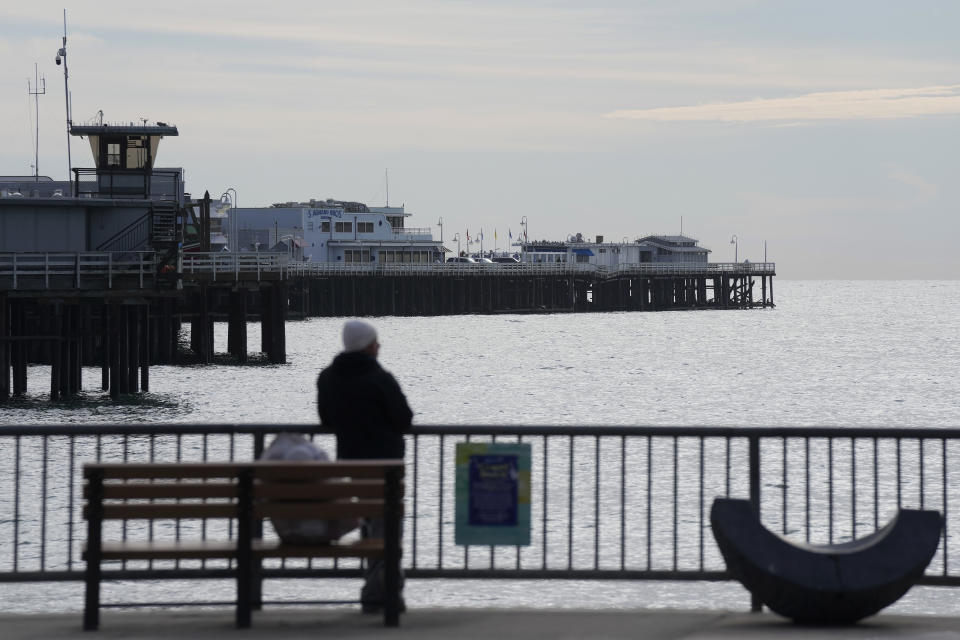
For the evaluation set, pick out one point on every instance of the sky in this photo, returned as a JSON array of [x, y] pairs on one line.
[[821, 133]]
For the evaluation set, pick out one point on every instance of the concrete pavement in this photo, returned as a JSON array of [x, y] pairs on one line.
[[488, 624]]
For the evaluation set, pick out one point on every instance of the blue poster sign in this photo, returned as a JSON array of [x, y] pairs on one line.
[[493, 494]]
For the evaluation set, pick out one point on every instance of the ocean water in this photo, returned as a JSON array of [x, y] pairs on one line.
[[832, 353]]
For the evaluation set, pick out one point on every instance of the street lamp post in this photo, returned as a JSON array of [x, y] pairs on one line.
[[440, 222], [456, 237], [523, 223], [736, 245], [234, 244]]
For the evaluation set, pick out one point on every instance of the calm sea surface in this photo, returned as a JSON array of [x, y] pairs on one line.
[[831, 353]]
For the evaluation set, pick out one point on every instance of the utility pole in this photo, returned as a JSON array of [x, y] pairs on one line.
[[39, 89]]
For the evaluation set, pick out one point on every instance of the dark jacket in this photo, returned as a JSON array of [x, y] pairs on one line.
[[364, 405]]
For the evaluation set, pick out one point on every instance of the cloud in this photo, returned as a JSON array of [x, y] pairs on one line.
[[832, 105]]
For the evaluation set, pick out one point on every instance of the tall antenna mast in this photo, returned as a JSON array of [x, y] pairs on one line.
[[36, 91], [386, 178], [62, 53]]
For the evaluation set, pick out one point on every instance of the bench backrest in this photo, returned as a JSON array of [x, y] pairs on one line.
[[241, 490]]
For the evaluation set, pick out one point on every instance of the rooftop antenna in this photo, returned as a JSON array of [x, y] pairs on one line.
[[38, 89], [386, 178], [681, 225], [62, 54]]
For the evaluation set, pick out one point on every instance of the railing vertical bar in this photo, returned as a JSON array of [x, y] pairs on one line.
[[43, 504], [596, 502], [153, 457], [700, 523], [71, 465], [830, 490], [203, 523], [899, 484], [493, 548], [440, 509], [922, 456], [946, 520], [755, 498], [232, 457], [176, 523], [518, 547], [16, 499], [466, 547], [727, 458], [783, 490], [676, 501], [570, 503], [623, 502], [543, 524], [806, 485], [649, 502], [876, 483], [853, 488], [416, 510]]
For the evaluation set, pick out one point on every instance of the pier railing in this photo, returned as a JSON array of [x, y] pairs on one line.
[[607, 502], [229, 266], [85, 270]]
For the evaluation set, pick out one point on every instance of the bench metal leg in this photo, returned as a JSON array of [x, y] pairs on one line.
[[391, 559], [244, 548], [91, 607]]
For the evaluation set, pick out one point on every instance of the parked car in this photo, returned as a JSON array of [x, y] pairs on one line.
[[506, 260], [483, 260], [462, 259]]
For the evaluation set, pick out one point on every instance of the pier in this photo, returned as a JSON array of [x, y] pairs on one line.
[[123, 312]]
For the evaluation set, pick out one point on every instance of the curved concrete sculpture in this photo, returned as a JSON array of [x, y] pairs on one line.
[[834, 583]]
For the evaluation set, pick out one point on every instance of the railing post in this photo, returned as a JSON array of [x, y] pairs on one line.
[[754, 470], [77, 264], [46, 271]]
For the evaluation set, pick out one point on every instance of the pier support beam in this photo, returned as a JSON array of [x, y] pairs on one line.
[[237, 325], [4, 349]]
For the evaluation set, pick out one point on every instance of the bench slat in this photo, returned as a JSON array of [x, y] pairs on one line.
[[315, 490], [358, 509], [170, 490], [276, 470], [165, 510], [216, 549]]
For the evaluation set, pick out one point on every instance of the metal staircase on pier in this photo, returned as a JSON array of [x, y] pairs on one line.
[[163, 232]]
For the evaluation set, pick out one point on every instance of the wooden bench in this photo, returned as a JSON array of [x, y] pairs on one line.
[[243, 493]]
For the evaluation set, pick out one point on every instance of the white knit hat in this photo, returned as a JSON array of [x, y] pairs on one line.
[[358, 335]]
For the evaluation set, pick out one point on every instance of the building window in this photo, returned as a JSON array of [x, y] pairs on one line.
[[343, 227], [365, 227], [325, 226], [113, 154], [310, 225], [581, 258]]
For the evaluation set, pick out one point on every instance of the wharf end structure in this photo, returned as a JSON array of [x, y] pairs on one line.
[[104, 269]]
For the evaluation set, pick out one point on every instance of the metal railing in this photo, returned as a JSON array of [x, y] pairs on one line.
[[134, 184], [86, 270], [414, 233], [222, 265], [607, 502]]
